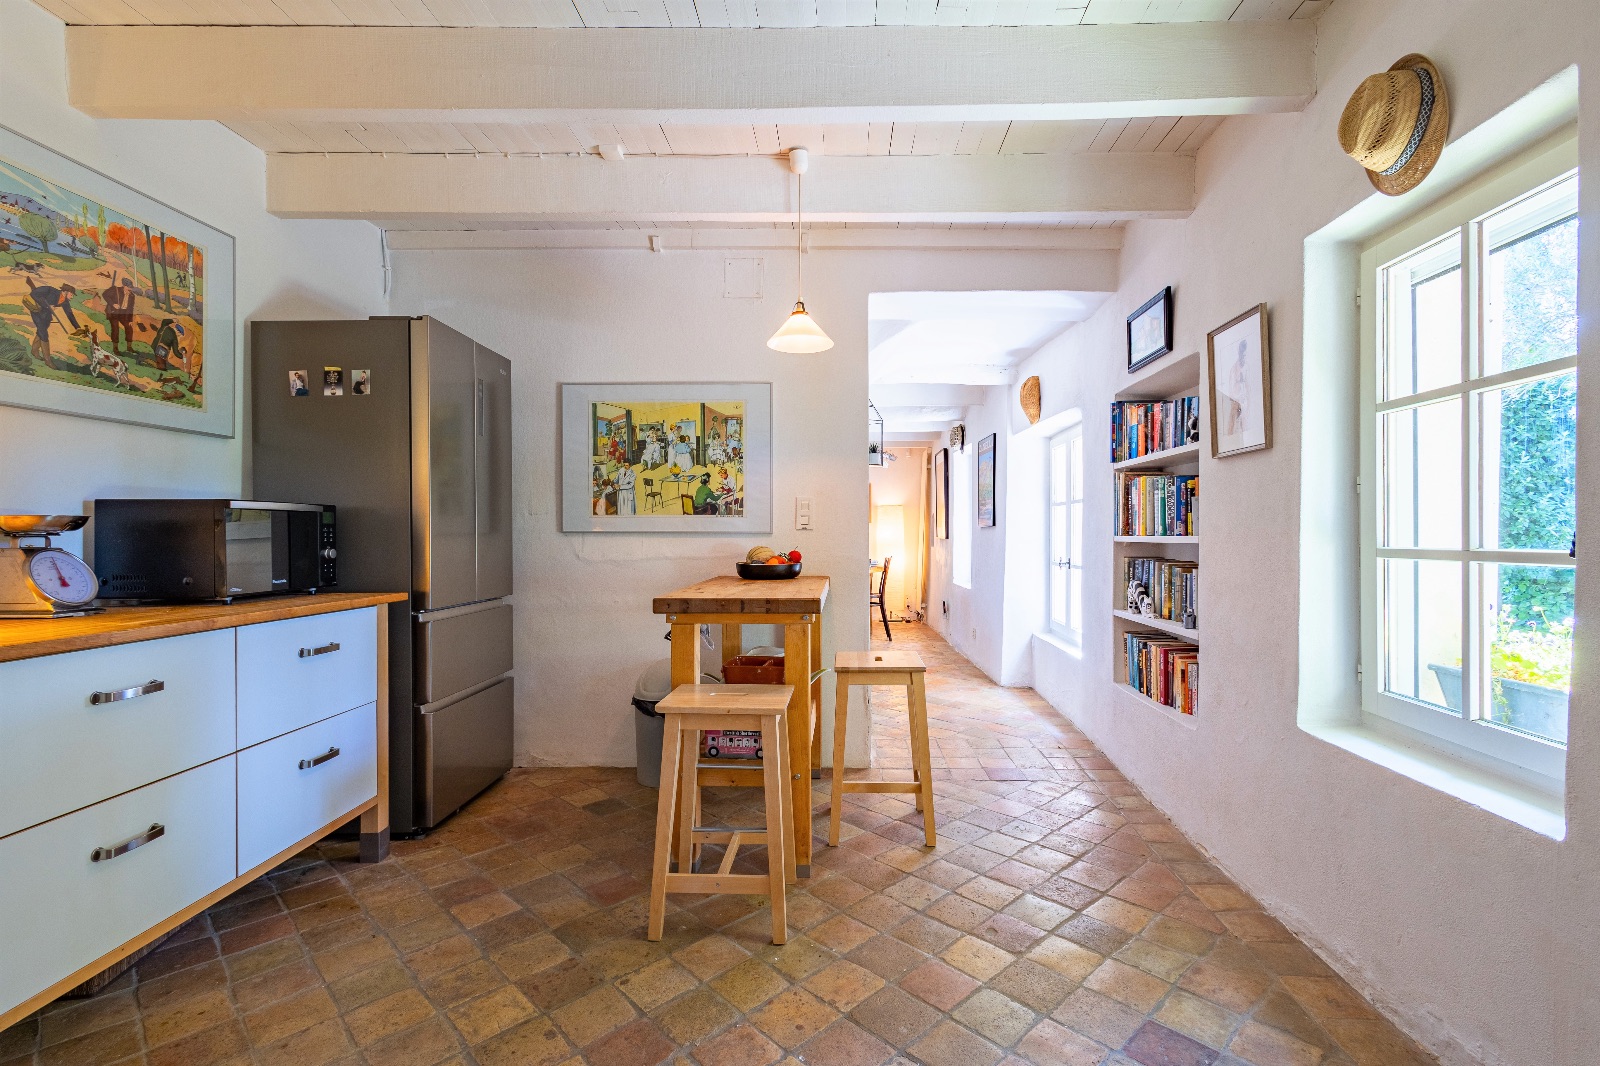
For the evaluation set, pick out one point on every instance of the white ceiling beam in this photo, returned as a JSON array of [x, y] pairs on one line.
[[963, 238], [452, 192], [815, 75]]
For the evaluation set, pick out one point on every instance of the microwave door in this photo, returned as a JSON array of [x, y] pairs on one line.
[[248, 550]]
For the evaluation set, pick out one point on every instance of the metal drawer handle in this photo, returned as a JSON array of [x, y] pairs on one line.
[[306, 653], [155, 832], [331, 753], [127, 693]]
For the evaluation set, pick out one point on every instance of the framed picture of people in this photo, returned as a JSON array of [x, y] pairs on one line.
[[1150, 330], [666, 458], [1239, 370], [112, 304]]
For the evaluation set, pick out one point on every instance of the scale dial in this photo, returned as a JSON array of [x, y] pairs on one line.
[[62, 578]]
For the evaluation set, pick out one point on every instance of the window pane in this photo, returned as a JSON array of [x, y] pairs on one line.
[[1421, 450], [1528, 628], [1422, 331], [1058, 472], [1531, 280], [1075, 599], [1528, 455], [1422, 631], [1077, 472], [1058, 572]]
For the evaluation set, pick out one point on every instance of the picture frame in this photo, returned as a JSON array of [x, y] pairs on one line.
[[986, 470], [666, 457], [138, 323], [941, 493], [1241, 392], [1150, 330]]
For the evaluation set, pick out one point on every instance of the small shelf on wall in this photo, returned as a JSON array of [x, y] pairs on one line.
[[1169, 376], [1138, 697], [1188, 453], [1165, 625], [1156, 540]]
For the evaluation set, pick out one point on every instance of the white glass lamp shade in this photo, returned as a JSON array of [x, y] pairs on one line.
[[800, 335]]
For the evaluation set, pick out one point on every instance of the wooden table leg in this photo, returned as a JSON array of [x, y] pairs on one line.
[[685, 671], [816, 699], [797, 673], [841, 710], [732, 640]]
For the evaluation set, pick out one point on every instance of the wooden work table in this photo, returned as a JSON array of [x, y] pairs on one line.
[[796, 605], [32, 637]]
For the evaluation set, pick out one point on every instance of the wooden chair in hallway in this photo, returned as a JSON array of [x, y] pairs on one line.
[[687, 710], [876, 599], [901, 669]]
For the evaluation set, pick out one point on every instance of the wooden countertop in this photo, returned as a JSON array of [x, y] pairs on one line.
[[31, 638], [735, 595]]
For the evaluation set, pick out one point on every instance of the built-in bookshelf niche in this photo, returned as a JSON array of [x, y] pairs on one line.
[[1157, 423]]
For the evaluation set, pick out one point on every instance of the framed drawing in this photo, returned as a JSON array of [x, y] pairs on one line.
[[666, 458], [1150, 330], [941, 493], [1239, 368], [986, 481], [112, 305]]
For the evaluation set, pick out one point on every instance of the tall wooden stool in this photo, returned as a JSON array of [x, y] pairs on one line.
[[901, 669], [687, 710]]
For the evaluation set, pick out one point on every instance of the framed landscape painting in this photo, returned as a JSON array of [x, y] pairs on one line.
[[986, 515], [112, 304], [666, 458]]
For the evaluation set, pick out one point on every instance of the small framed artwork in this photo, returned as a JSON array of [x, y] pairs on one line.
[[941, 494], [1239, 368], [666, 458], [1150, 330], [986, 481]]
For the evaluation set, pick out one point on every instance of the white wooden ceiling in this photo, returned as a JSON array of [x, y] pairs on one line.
[[668, 13], [1178, 135]]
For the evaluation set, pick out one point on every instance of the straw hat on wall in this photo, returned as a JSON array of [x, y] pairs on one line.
[[1396, 123]]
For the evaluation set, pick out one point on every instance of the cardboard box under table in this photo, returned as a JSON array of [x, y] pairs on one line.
[[733, 603]]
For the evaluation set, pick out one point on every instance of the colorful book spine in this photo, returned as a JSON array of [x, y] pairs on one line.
[[1164, 670], [1157, 505], [1141, 427]]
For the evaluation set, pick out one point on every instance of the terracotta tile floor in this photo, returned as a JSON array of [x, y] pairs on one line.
[[1062, 921]]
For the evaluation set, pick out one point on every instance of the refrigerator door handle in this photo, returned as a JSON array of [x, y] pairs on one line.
[[479, 418]]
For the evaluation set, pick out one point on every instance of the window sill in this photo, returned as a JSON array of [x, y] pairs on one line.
[[1515, 801], [1061, 644]]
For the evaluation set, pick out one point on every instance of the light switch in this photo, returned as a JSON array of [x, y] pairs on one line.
[[802, 512]]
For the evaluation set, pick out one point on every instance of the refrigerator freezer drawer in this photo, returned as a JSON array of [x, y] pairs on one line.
[[466, 747], [461, 649]]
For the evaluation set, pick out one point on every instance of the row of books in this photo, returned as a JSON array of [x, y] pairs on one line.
[[1140, 427], [1157, 505], [1172, 584], [1165, 670]]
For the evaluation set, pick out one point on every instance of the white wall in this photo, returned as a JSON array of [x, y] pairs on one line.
[[284, 270], [1478, 935], [584, 626]]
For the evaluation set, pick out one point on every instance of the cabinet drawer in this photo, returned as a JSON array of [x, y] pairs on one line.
[[63, 750], [60, 911], [302, 670], [283, 800]]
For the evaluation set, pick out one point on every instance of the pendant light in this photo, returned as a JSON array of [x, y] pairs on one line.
[[799, 334]]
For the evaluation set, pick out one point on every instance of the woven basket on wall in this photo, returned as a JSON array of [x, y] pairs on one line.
[[1030, 399]]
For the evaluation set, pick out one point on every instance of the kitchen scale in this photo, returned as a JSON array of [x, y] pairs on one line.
[[38, 581]]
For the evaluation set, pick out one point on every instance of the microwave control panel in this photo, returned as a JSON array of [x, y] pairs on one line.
[[328, 549]]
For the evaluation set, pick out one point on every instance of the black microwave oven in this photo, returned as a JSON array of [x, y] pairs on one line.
[[220, 550]]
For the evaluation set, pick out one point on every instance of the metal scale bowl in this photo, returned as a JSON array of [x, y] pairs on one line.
[[39, 581]]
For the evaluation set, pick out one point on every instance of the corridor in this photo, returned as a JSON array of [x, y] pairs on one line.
[[1062, 921]]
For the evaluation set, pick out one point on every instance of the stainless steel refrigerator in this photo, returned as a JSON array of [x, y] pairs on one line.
[[405, 425]]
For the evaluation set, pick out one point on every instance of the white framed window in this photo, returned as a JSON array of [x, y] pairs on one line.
[[1468, 468], [1065, 594]]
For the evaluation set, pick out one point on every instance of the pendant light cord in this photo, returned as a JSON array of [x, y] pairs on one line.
[[799, 226]]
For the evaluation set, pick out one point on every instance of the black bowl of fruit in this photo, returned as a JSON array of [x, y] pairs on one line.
[[764, 564]]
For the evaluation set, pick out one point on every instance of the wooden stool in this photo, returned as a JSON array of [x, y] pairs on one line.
[[687, 710], [900, 668]]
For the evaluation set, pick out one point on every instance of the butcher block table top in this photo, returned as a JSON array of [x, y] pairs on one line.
[[735, 595], [32, 637]]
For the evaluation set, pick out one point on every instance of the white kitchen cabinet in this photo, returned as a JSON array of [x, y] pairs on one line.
[[298, 783], [213, 750], [82, 727], [302, 670]]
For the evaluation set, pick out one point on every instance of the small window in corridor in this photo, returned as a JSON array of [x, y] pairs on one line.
[[1066, 536], [1469, 464]]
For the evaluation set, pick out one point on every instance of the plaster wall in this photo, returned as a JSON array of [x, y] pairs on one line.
[[285, 269], [1476, 934], [584, 626]]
